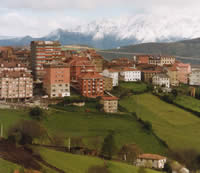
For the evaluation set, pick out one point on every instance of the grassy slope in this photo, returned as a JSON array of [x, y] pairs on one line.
[[188, 102], [127, 129], [88, 125], [7, 167], [80, 164], [136, 87], [176, 126]]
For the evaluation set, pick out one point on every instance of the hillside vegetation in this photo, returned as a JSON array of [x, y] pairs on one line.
[[91, 125], [180, 129], [80, 164]]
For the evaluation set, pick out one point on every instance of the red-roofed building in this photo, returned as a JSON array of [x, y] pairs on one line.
[[142, 59], [91, 84], [56, 80], [79, 65], [151, 161], [183, 72], [110, 104]]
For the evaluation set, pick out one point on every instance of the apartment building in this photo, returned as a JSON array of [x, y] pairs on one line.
[[161, 80], [44, 52], [112, 73], [91, 84], [142, 59], [79, 65], [130, 74], [183, 72], [15, 85], [194, 77], [110, 104], [172, 72], [56, 80], [108, 83], [160, 60]]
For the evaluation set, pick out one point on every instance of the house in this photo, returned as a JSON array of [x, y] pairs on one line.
[[147, 75], [161, 60], [91, 84], [56, 80], [194, 77], [183, 72], [161, 80], [142, 59], [151, 161], [110, 104], [172, 72], [108, 83], [130, 74], [112, 73]]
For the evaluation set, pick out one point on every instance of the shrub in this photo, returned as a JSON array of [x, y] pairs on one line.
[[36, 113], [148, 126]]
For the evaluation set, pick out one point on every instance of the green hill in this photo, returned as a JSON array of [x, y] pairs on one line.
[[91, 125], [80, 164], [180, 129]]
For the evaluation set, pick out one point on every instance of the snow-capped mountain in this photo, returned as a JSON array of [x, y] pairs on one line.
[[115, 32]]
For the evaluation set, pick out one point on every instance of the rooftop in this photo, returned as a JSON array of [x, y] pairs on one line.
[[151, 157]]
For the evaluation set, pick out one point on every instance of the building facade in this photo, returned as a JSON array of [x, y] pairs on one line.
[[161, 80], [112, 73], [151, 161], [147, 75], [108, 83], [16, 85], [172, 72], [130, 75], [194, 77], [91, 84], [44, 52], [142, 59], [183, 72], [56, 80], [161, 60], [110, 104]]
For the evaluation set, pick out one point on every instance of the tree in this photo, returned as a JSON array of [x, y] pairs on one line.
[[25, 131], [174, 92], [167, 168], [129, 152], [148, 126], [36, 113], [109, 147]]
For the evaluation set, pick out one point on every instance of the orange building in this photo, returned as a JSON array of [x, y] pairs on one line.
[[56, 80], [143, 59], [79, 65], [91, 84]]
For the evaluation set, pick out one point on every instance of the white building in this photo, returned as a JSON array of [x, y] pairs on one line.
[[151, 161], [130, 74], [112, 73], [161, 80], [194, 77]]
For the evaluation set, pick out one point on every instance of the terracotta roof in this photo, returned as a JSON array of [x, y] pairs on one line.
[[129, 69], [151, 71], [110, 98], [113, 70], [151, 156]]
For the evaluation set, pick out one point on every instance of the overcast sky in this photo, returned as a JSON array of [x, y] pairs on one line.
[[39, 17]]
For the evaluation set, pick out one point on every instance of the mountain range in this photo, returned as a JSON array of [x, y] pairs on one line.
[[122, 31]]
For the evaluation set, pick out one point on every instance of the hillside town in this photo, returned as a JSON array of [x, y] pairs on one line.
[[48, 72]]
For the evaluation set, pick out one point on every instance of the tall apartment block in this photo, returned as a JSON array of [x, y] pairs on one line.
[[56, 80], [44, 52]]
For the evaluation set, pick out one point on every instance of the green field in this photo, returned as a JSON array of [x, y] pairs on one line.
[[180, 129], [188, 102], [90, 125], [134, 86], [80, 164], [7, 167]]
